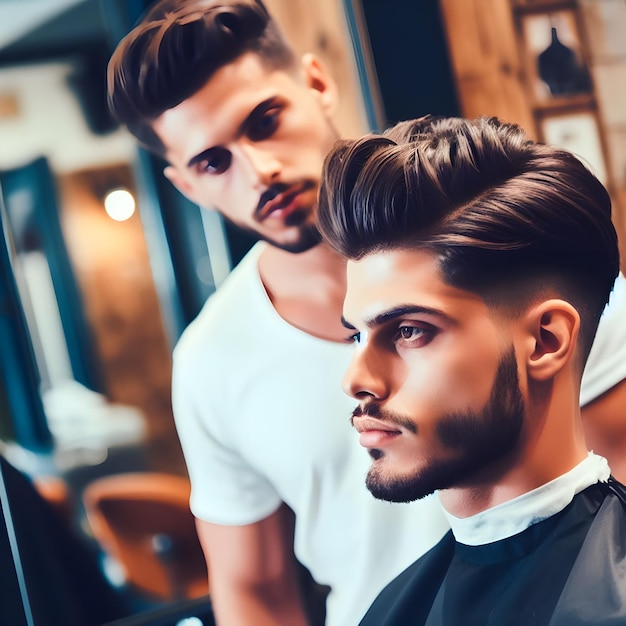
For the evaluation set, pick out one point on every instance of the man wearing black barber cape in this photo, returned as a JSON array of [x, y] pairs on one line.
[[479, 263]]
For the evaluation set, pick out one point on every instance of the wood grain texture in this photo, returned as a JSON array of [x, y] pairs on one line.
[[320, 27], [486, 61]]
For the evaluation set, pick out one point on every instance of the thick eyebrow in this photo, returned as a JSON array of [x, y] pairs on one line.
[[346, 324], [258, 110], [399, 311]]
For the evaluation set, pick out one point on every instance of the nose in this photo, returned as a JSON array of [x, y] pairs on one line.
[[366, 376], [262, 165]]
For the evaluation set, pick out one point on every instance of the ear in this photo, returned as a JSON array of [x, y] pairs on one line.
[[180, 182], [552, 332], [318, 79]]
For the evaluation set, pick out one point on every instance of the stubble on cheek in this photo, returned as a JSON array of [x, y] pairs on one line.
[[474, 440]]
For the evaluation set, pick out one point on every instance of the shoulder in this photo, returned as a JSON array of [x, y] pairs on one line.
[[606, 365], [618, 490], [595, 592], [226, 310]]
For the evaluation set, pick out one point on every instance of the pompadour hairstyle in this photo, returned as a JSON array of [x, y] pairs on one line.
[[176, 49], [504, 216]]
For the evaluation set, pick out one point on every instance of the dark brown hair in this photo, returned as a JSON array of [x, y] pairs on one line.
[[505, 216], [175, 50]]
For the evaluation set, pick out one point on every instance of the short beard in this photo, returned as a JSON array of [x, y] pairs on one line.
[[480, 438], [308, 239]]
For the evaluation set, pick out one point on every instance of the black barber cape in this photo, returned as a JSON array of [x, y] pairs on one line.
[[567, 570]]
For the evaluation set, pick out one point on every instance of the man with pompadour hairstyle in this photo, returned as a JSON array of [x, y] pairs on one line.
[[177, 48], [479, 265]]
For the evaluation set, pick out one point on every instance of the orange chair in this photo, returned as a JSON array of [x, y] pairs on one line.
[[143, 521]]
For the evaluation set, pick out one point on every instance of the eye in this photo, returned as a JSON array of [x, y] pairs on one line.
[[409, 332], [413, 336], [356, 338], [215, 161], [265, 124]]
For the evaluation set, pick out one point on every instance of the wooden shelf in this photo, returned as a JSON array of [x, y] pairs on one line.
[[560, 104]]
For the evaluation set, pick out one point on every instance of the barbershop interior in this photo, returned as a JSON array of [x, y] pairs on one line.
[[105, 263]]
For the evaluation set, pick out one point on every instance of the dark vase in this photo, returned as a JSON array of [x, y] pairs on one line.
[[560, 69]]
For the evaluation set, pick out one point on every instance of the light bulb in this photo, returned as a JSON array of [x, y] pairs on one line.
[[119, 204]]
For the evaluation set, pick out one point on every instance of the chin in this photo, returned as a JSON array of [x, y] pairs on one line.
[[384, 483], [400, 490], [387, 483], [309, 237]]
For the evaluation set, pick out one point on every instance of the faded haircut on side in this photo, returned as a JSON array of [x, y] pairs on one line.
[[506, 217], [177, 47]]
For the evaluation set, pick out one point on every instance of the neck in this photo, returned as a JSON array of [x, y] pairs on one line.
[[302, 273], [307, 289], [515, 516], [319, 260], [552, 443]]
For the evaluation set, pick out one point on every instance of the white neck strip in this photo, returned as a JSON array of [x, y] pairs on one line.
[[514, 516]]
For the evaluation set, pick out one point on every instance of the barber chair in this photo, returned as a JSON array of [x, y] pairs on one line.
[[143, 521]]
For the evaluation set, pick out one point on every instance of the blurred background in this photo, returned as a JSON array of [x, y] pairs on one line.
[[103, 263]]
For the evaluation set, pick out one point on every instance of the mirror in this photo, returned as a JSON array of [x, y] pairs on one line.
[[96, 327], [93, 311], [105, 300]]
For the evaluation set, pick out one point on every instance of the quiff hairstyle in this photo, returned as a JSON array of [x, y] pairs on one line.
[[176, 49], [505, 217]]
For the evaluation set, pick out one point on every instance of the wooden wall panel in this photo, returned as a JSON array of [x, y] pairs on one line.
[[490, 76], [485, 59], [320, 27]]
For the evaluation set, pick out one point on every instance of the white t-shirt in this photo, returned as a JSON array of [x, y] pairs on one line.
[[606, 365], [262, 419]]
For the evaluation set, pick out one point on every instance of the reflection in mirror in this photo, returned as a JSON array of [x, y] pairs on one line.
[[98, 326]]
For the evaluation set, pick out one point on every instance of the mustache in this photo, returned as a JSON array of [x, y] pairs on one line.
[[374, 410], [269, 194]]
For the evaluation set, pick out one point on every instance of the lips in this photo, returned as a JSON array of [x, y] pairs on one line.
[[280, 199], [364, 424], [373, 433]]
